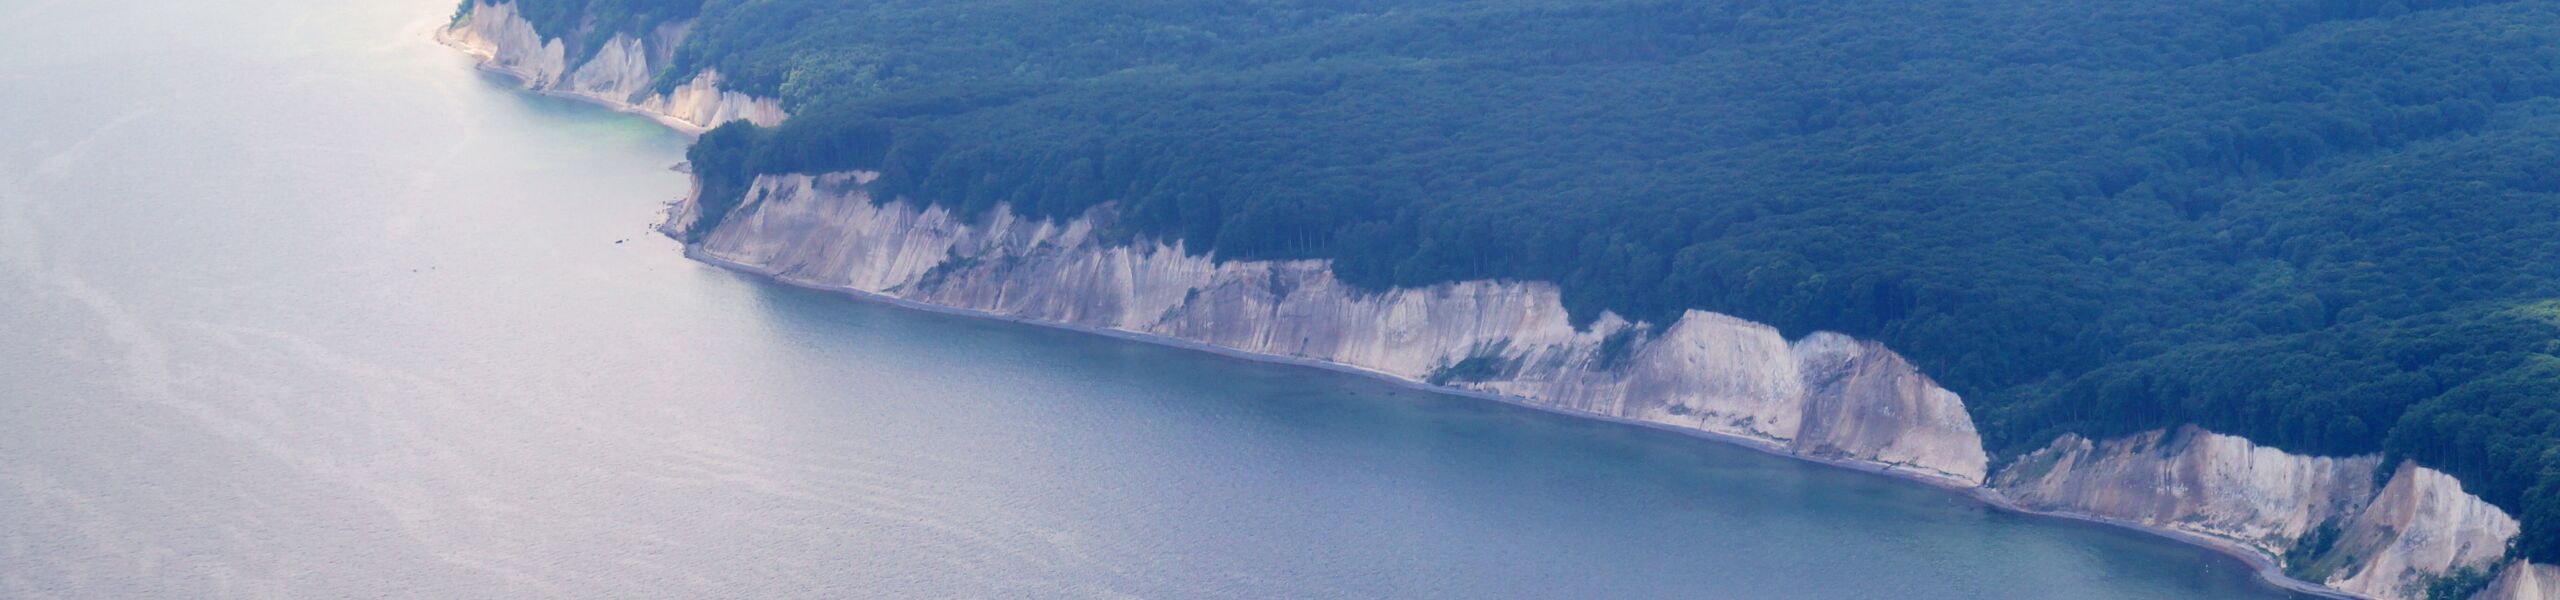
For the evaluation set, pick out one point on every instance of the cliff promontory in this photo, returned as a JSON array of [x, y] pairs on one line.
[[618, 76]]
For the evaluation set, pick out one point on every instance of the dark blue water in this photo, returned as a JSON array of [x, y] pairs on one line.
[[297, 304]]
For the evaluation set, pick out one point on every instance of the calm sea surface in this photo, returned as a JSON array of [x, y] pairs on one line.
[[295, 303]]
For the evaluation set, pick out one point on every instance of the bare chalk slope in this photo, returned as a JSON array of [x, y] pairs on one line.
[[617, 76]]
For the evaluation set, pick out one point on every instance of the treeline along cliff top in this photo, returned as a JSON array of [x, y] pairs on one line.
[[2332, 226]]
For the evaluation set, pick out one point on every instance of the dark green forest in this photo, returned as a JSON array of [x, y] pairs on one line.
[[2332, 226]]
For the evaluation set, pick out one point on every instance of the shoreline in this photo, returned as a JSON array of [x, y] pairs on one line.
[[2264, 564], [487, 63]]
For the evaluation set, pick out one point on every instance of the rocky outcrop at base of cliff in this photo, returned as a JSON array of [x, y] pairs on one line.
[[619, 75]]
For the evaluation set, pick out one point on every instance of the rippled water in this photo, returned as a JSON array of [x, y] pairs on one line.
[[296, 303]]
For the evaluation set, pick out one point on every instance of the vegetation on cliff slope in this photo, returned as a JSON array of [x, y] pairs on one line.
[[588, 24], [2328, 225]]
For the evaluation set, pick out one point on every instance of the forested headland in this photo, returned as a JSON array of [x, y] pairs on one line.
[[2332, 226]]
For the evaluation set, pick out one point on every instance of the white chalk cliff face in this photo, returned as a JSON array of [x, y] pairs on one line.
[[619, 74], [2525, 581], [2382, 543], [1824, 396], [2421, 526], [2194, 481]]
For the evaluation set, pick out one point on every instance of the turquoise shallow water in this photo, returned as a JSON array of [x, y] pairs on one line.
[[298, 304]]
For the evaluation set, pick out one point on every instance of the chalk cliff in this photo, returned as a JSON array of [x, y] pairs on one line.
[[2389, 542], [2194, 481], [2421, 527], [619, 75], [1825, 396], [2524, 581]]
